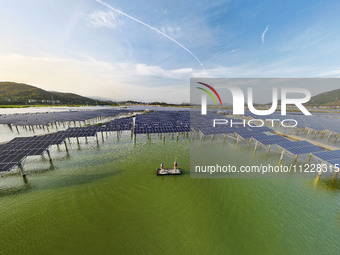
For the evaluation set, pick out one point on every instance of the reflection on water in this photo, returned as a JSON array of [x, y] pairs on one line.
[[16, 189], [330, 184]]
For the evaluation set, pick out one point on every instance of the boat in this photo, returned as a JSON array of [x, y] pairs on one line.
[[163, 171], [169, 171]]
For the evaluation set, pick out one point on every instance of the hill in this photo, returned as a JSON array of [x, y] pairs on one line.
[[20, 93], [330, 98]]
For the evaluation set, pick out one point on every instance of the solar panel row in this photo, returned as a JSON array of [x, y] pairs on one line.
[[328, 155], [13, 152], [46, 118], [162, 122]]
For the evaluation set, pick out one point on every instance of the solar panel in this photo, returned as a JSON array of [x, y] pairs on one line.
[[14, 158], [162, 122], [4, 167], [36, 152], [328, 155], [289, 144], [304, 150], [268, 139], [47, 118], [335, 162]]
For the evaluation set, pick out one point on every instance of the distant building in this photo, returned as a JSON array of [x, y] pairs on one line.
[[51, 101], [32, 101], [8, 100]]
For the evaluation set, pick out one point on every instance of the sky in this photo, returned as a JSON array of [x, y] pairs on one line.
[[148, 50]]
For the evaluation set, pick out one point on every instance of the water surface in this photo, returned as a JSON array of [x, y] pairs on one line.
[[107, 199]]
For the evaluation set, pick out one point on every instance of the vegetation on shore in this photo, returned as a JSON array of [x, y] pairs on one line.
[[46, 105], [20, 94], [330, 98]]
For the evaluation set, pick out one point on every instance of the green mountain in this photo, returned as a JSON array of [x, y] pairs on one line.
[[330, 98], [20, 93]]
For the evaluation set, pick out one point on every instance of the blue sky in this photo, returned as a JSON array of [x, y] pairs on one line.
[[87, 48]]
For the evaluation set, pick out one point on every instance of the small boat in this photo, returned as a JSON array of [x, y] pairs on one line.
[[172, 171], [169, 171]]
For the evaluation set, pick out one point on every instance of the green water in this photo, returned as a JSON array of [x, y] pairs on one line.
[[106, 199]]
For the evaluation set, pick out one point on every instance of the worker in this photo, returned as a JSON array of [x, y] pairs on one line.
[[162, 165], [175, 165]]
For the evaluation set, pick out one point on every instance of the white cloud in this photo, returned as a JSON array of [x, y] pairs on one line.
[[90, 77], [264, 34], [152, 28], [107, 19], [157, 71]]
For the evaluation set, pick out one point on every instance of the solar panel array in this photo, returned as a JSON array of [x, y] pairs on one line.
[[328, 155], [294, 147], [317, 121], [162, 122], [16, 150], [333, 157], [118, 125], [46, 118], [304, 150], [80, 132], [268, 139], [205, 124], [13, 152]]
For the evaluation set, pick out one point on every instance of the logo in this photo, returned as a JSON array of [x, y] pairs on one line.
[[209, 93], [239, 99]]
